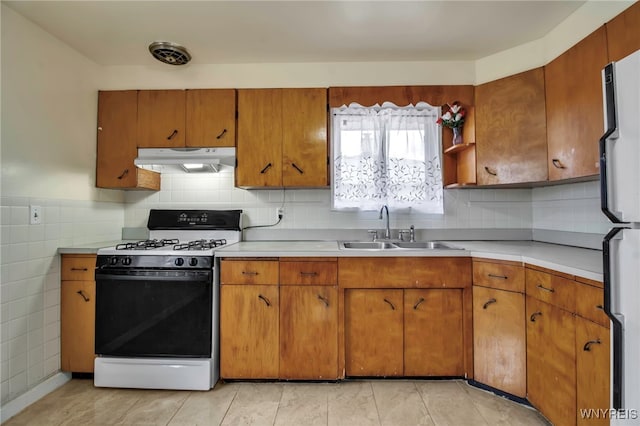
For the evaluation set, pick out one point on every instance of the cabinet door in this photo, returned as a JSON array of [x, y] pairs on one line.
[[499, 340], [161, 118], [77, 326], [623, 37], [249, 333], [211, 118], [551, 361], [433, 337], [117, 148], [374, 332], [308, 332], [573, 86], [259, 146], [592, 369], [304, 143], [511, 132]]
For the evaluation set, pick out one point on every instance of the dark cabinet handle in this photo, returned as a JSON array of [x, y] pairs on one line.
[[587, 346], [488, 302], [249, 273], [541, 287], [390, 304], [124, 173], [504, 277], [326, 302], [84, 296], [297, 168], [309, 274], [557, 164], [79, 269], [600, 307], [264, 299], [418, 303], [534, 315], [175, 132], [486, 169], [221, 134], [267, 167]]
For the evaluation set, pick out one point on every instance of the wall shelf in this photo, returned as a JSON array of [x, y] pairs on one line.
[[459, 161]]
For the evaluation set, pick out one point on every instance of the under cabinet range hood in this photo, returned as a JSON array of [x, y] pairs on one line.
[[190, 160]]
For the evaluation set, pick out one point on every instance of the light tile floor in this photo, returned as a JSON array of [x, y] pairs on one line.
[[353, 403]]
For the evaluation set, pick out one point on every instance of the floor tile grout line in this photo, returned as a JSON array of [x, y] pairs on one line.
[[278, 408], [474, 404], [180, 407], [226, 412], [424, 404], [373, 393]]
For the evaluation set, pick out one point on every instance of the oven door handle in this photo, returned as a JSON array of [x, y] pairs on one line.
[[195, 276]]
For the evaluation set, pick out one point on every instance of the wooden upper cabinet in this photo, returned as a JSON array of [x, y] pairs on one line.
[[211, 118], [116, 143], [304, 138], [623, 34], [161, 118], [573, 87], [282, 138], [511, 134], [259, 149]]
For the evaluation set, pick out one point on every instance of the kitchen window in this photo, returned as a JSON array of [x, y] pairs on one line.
[[387, 155]]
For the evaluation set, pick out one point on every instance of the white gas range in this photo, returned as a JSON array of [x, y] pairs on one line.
[[157, 303]]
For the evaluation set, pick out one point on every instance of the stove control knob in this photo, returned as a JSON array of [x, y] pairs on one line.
[[113, 260], [193, 261], [126, 261], [179, 261]]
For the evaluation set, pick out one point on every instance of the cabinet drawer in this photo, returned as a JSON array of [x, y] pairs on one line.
[[500, 276], [78, 267], [552, 289], [589, 302], [263, 272], [404, 272], [308, 273]]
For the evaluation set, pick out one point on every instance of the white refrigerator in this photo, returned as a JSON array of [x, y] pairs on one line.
[[620, 199]]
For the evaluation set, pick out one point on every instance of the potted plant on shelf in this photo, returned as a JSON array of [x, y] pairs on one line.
[[453, 118]]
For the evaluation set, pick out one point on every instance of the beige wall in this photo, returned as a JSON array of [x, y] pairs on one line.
[[49, 106]]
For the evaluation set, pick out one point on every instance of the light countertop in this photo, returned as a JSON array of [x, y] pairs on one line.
[[582, 262]]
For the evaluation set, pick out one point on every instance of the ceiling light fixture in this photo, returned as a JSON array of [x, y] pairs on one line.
[[169, 53]]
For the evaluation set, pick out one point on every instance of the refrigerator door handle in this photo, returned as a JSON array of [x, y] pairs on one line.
[[611, 132], [616, 320]]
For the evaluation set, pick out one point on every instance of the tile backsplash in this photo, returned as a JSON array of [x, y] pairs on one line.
[[30, 280], [311, 208]]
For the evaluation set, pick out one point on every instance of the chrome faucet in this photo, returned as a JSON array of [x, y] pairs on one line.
[[387, 231]]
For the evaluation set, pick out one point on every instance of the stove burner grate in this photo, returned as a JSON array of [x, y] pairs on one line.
[[200, 244], [147, 244]]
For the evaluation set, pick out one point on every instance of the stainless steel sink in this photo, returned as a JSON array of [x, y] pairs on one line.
[[367, 245], [395, 245], [430, 245]]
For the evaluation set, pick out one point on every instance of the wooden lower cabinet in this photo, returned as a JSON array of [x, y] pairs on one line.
[[249, 332], [77, 326], [433, 335], [410, 332], [592, 370], [308, 332], [551, 361], [373, 332], [499, 340]]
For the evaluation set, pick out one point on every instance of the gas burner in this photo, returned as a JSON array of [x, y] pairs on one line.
[[147, 244], [200, 244]]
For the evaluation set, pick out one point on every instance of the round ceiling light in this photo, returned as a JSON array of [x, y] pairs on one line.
[[169, 53]]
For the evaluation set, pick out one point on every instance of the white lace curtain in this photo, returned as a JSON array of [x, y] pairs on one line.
[[387, 155]]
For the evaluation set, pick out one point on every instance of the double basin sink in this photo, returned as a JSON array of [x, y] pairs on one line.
[[395, 245]]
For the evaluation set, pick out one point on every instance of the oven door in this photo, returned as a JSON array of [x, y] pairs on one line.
[[154, 313]]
